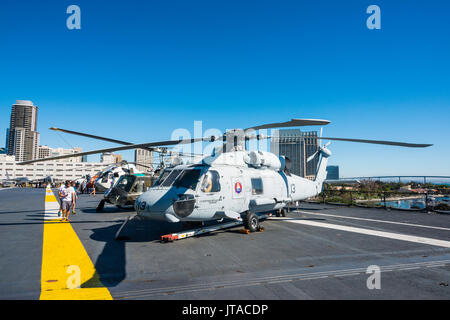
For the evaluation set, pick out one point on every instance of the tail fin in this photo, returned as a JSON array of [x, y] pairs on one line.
[[7, 175], [321, 174]]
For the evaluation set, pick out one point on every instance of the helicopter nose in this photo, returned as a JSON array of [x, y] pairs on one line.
[[155, 201]]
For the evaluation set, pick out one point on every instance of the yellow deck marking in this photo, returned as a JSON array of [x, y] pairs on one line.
[[62, 255]]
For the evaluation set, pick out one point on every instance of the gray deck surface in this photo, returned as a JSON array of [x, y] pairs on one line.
[[286, 261]]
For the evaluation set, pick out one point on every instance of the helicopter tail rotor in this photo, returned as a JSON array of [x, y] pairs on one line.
[[322, 150]]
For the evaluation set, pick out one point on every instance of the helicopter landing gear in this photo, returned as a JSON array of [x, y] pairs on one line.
[[100, 206], [251, 222], [280, 212]]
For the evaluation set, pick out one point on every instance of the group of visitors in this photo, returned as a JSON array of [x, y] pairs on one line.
[[67, 193], [68, 197], [82, 187]]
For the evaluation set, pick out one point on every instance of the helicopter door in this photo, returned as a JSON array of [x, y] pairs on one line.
[[210, 198]]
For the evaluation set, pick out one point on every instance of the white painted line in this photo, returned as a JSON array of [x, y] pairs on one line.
[[280, 281], [51, 208], [311, 278], [373, 220], [8, 188], [436, 265], [347, 274], [413, 268], [383, 234]]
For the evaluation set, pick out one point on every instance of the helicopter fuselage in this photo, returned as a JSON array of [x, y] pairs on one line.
[[226, 186]]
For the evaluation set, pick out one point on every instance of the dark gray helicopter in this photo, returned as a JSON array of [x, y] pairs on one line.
[[126, 189]]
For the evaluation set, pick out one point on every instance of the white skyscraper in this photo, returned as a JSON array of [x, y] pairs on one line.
[[23, 138]]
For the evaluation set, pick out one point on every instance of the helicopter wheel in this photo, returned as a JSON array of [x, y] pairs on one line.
[[283, 212], [251, 222]]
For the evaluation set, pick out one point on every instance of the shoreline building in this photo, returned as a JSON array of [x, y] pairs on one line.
[[46, 151], [40, 170], [332, 173], [143, 160], [297, 146], [110, 158], [23, 138]]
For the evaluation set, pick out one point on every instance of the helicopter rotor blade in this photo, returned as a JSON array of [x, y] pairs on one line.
[[127, 147], [124, 163], [292, 123], [99, 138], [390, 143]]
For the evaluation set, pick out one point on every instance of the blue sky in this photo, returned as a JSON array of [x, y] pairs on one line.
[[137, 70]]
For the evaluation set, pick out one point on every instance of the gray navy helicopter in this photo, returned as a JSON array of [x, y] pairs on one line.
[[232, 183]]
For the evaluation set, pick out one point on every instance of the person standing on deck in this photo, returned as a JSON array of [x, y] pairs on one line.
[[68, 201]]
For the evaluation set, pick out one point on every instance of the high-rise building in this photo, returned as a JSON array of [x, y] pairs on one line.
[[332, 172], [143, 159], [23, 138], [297, 146]]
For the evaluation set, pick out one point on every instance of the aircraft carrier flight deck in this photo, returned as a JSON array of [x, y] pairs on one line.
[[318, 251]]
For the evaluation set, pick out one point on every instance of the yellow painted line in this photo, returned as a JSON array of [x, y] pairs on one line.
[[51, 198], [67, 271]]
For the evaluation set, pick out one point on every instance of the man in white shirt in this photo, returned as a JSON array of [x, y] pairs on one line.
[[62, 194], [68, 202]]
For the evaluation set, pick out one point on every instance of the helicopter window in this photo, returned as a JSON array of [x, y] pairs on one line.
[[210, 182], [162, 177], [188, 179], [105, 178], [171, 178], [139, 187], [125, 182], [257, 186]]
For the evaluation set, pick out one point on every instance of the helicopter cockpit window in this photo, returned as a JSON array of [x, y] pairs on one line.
[[188, 179], [171, 178], [210, 182], [105, 177], [162, 177], [257, 186], [125, 182]]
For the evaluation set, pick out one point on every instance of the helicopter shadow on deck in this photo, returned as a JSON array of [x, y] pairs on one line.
[[110, 264], [108, 209]]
